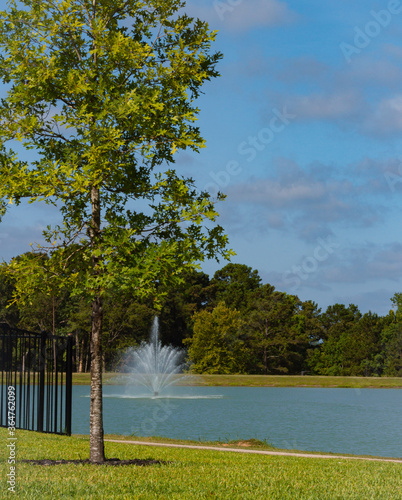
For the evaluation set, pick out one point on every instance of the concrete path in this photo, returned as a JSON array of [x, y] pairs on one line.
[[259, 452]]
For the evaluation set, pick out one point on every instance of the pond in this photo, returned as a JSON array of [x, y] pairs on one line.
[[358, 421]]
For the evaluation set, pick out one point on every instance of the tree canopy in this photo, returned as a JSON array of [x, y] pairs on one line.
[[104, 105], [216, 345], [233, 283]]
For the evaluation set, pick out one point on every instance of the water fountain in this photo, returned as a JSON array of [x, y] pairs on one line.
[[153, 365]]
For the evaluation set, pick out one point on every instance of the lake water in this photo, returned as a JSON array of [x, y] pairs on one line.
[[358, 421]]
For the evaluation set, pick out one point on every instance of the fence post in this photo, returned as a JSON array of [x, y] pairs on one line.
[[42, 366], [69, 382]]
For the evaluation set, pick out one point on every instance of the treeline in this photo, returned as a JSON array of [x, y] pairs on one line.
[[230, 323]]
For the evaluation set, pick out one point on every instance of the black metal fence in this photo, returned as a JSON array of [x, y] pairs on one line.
[[36, 380]]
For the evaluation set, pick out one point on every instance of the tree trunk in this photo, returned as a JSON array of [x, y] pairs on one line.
[[53, 317], [96, 445], [97, 452], [265, 348], [82, 356], [77, 352]]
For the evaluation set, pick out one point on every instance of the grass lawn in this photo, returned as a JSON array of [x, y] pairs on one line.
[[265, 381], [190, 474]]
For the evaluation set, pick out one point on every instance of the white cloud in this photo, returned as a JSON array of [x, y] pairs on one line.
[[331, 265], [387, 117], [364, 96], [351, 108], [393, 50], [248, 14], [278, 194], [368, 73], [311, 201], [367, 262], [322, 106], [302, 69], [239, 16], [378, 301]]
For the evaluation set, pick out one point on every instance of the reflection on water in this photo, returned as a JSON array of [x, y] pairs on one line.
[[358, 421]]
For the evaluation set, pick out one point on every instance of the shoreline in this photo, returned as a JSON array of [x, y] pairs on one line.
[[303, 381]]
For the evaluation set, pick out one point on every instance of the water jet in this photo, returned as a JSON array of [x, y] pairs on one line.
[[154, 365]]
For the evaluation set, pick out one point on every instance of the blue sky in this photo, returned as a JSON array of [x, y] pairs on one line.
[[303, 134]]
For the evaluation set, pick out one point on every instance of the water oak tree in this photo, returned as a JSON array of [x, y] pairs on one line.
[[103, 93], [217, 345]]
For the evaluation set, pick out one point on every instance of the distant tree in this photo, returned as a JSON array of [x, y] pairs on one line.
[[339, 325], [9, 313], [364, 346], [309, 321], [127, 324], [338, 318], [43, 303], [310, 329], [392, 350], [273, 331], [182, 302], [233, 284], [391, 339], [217, 345], [79, 324]]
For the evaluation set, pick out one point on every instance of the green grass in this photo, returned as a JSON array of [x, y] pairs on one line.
[[191, 474], [265, 381], [257, 381]]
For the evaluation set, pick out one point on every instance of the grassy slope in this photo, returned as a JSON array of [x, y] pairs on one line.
[[191, 474], [265, 381]]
